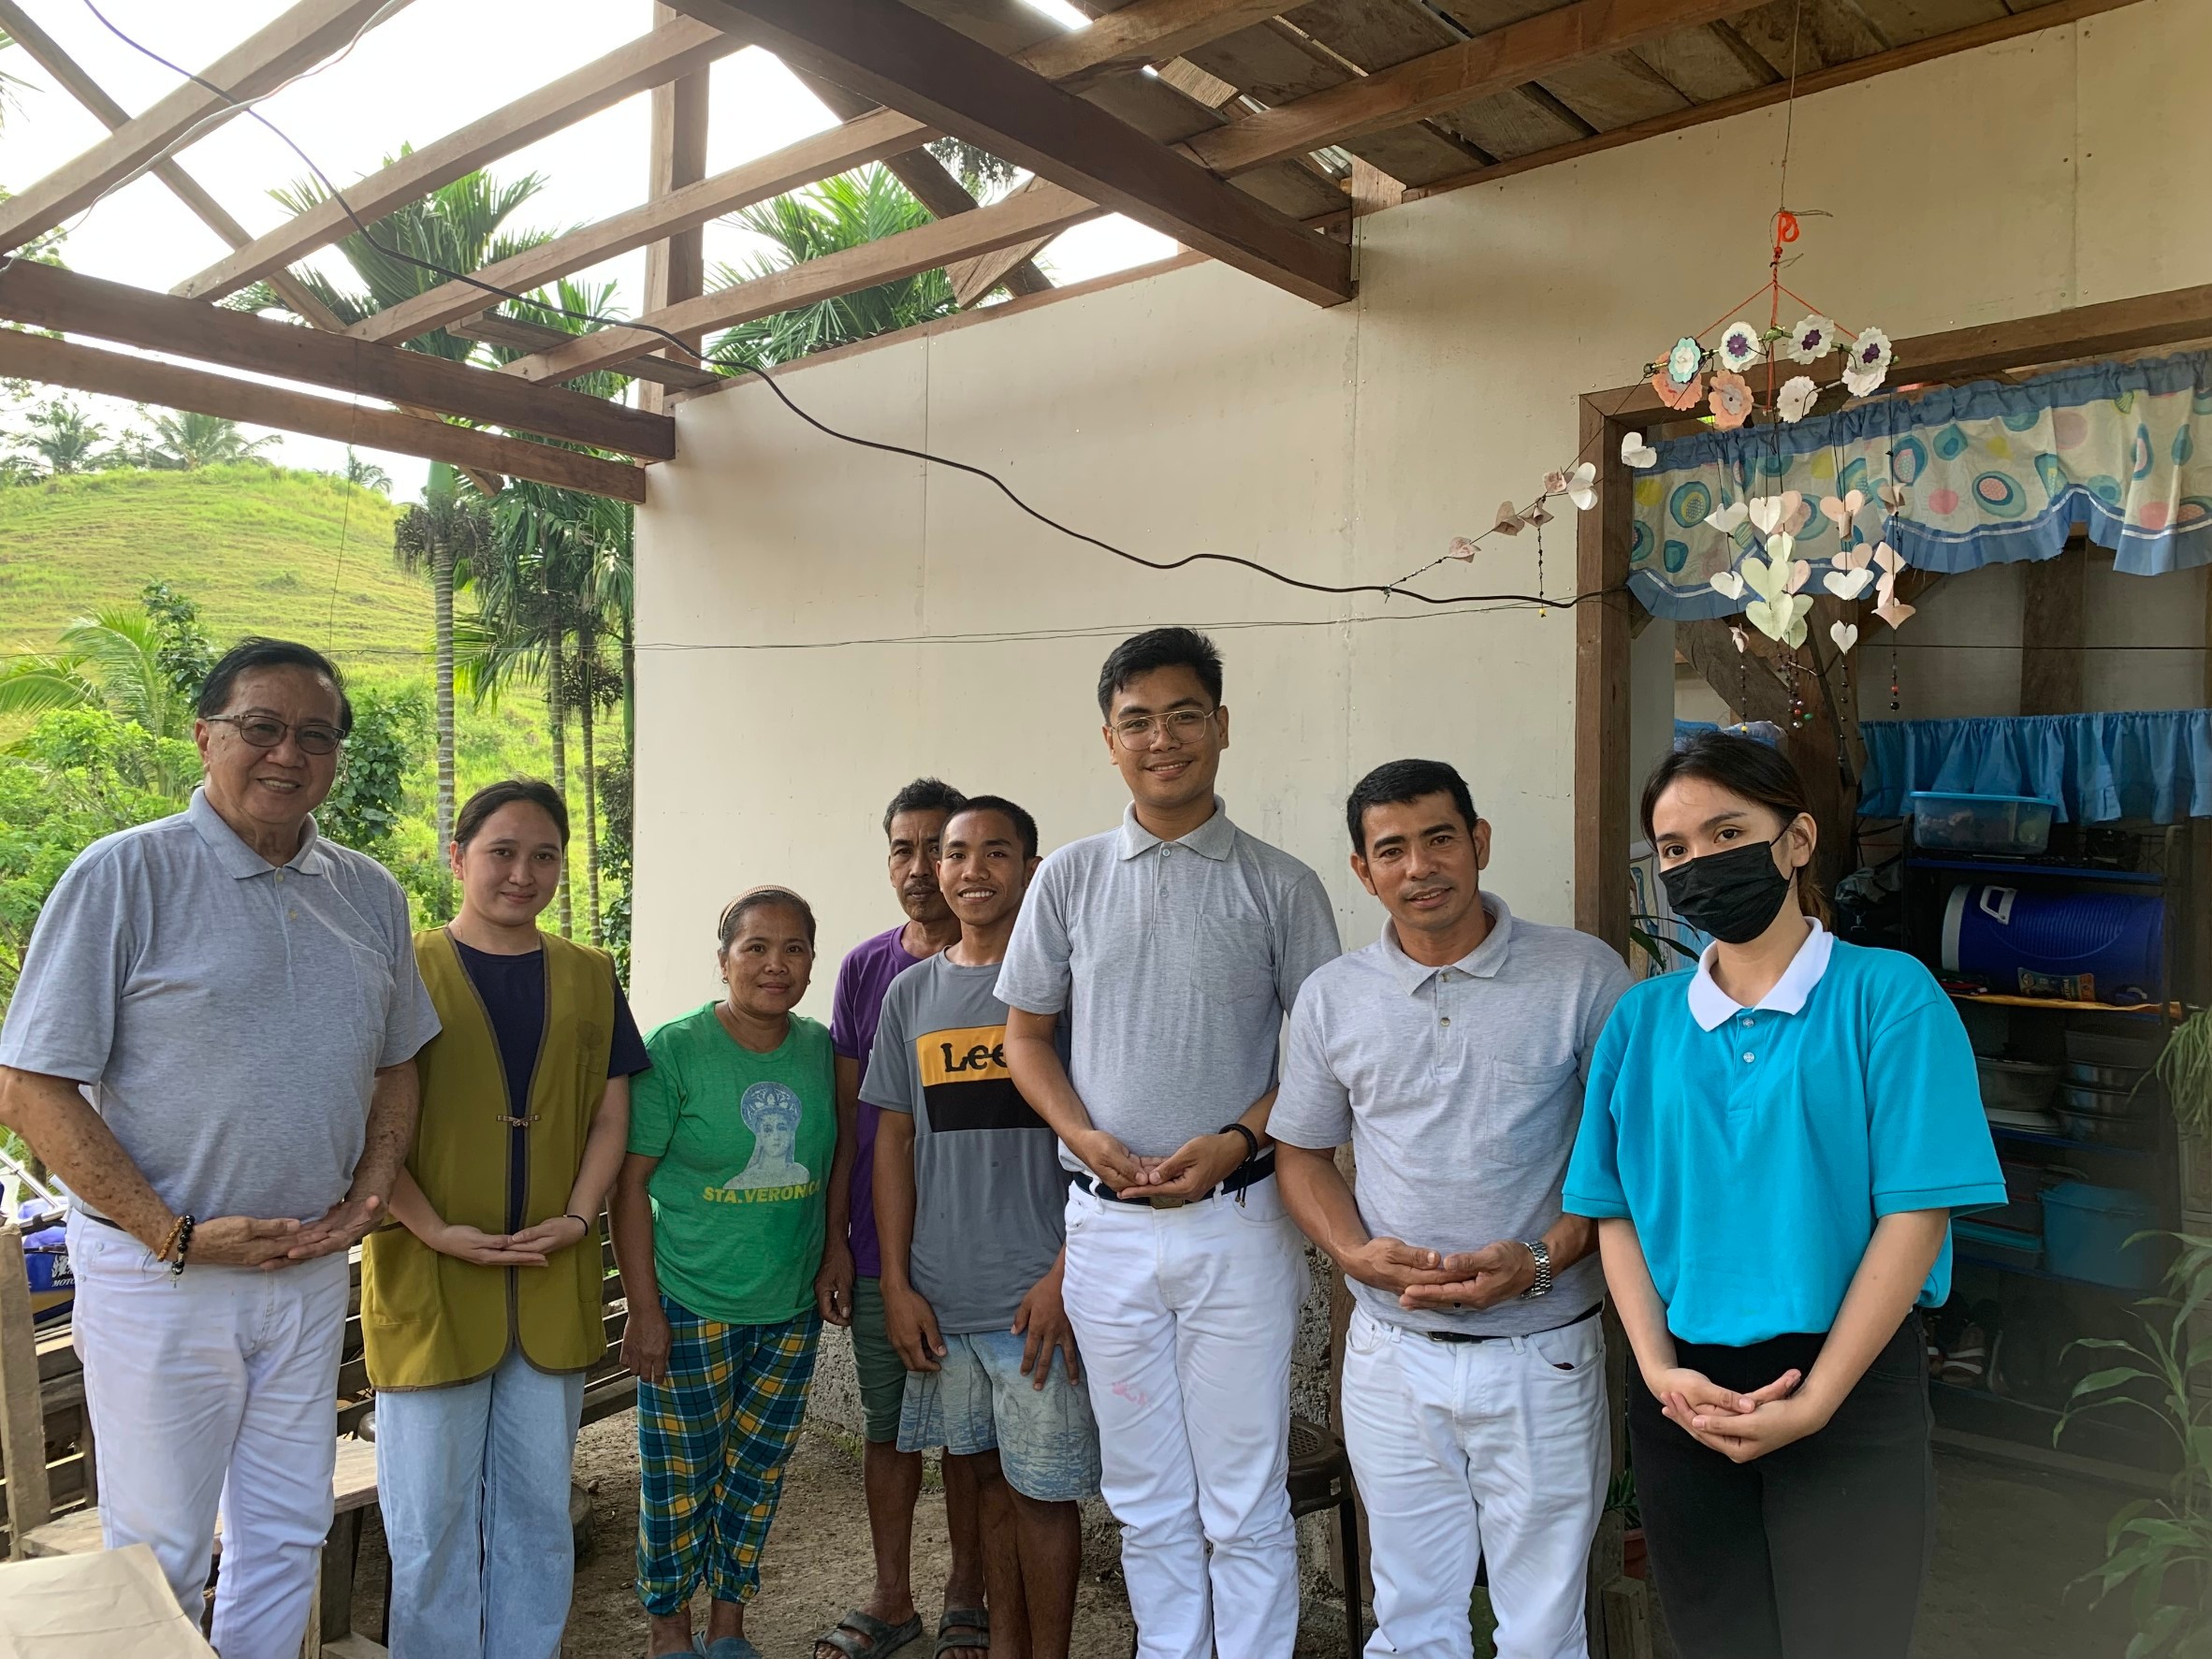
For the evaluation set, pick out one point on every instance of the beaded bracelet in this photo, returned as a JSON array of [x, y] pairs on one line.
[[169, 1245], [183, 1246]]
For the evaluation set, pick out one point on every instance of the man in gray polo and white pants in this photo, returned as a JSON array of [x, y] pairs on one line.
[[1173, 945], [213, 1044], [1451, 1052]]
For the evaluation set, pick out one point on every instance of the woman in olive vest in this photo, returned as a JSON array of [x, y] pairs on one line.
[[482, 1309]]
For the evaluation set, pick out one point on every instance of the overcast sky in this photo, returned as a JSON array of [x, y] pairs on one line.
[[431, 67]]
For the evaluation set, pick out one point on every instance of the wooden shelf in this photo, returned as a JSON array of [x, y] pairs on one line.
[[2171, 1010]]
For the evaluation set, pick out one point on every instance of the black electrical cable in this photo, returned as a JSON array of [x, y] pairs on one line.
[[1385, 588]]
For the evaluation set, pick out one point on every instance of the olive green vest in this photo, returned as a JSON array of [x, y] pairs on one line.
[[429, 1320]]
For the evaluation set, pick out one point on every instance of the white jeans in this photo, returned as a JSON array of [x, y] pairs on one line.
[[474, 1480], [219, 1384], [1185, 1318], [1467, 1449]]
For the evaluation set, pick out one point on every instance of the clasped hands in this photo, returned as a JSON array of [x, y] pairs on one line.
[[271, 1243], [1191, 1170], [1739, 1426], [1430, 1279]]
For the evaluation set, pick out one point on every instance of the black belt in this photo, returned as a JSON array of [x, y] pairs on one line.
[[1588, 1313], [1252, 1170], [103, 1220]]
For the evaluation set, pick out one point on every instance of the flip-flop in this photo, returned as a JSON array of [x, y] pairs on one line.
[[731, 1647], [882, 1639], [963, 1630]]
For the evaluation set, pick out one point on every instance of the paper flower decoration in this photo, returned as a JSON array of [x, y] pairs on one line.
[[1795, 401], [1509, 521], [1731, 400], [1740, 346], [1537, 513], [1636, 453], [1736, 634], [1868, 362], [1678, 397], [1462, 548], [1845, 635], [1684, 360], [1892, 495], [1812, 339], [1888, 605], [1728, 519], [1582, 487]]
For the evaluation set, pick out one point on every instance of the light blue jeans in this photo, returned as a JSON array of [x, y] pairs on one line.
[[474, 1480]]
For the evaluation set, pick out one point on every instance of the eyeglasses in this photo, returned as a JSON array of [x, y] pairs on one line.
[[265, 730], [1180, 723]]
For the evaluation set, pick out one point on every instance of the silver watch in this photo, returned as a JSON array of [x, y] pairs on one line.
[[1542, 1253]]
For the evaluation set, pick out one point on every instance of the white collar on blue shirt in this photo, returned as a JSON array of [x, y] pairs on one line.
[[1711, 1006]]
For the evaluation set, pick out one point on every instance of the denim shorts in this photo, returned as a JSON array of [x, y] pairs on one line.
[[978, 1400]]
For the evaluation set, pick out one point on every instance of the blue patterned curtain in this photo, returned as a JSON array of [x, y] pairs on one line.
[[1992, 474], [2099, 767]]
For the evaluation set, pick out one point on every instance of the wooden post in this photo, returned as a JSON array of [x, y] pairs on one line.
[[2050, 633], [22, 1421], [1601, 690], [676, 268]]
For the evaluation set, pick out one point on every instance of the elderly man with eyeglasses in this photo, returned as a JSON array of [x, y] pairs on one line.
[[213, 1043]]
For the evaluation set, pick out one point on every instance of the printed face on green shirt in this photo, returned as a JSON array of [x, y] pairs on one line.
[[773, 1112]]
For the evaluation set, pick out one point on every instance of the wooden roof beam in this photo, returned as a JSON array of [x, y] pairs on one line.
[[1044, 210], [144, 380], [297, 40], [1448, 77], [818, 156], [46, 296], [1137, 35], [668, 53], [908, 61], [496, 329]]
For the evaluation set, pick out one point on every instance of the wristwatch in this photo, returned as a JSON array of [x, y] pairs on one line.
[[1542, 1253]]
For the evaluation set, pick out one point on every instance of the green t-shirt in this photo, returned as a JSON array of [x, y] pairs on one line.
[[745, 1143]]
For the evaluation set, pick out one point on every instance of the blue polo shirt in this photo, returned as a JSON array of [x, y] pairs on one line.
[[1755, 1148]]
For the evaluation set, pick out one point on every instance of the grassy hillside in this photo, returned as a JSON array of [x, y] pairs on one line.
[[301, 555]]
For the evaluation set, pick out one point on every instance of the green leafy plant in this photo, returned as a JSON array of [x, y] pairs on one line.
[[2185, 1066], [2159, 1549], [391, 731], [1621, 1495]]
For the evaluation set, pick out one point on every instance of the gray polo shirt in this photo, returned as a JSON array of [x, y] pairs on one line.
[[228, 1014], [1459, 1090], [1173, 962]]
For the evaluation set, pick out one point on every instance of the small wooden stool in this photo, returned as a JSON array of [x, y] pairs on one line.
[[1321, 1478]]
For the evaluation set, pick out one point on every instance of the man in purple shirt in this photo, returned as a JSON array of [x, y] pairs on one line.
[[913, 823]]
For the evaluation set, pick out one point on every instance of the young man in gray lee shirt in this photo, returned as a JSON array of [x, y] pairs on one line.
[[1451, 1052], [969, 1195], [1174, 946]]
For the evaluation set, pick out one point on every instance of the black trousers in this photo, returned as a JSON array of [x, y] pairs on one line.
[[1814, 1551]]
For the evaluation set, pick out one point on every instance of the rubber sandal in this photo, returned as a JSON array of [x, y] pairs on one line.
[[1968, 1362], [847, 1635], [731, 1647], [963, 1630]]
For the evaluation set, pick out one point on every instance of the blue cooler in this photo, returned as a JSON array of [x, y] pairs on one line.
[[2086, 1232], [2086, 947]]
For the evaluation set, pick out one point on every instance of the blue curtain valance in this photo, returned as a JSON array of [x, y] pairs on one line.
[[1994, 474], [2154, 764]]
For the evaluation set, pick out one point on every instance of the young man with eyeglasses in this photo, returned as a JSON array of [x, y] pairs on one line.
[[213, 1043], [1175, 945], [1451, 1054]]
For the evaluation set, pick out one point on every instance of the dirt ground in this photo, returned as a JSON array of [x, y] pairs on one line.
[[2010, 1544]]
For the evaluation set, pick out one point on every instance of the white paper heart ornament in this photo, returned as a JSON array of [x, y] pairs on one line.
[[1800, 573], [1728, 519], [1848, 584], [1771, 513], [1783, 619], [1771, 581], [1582, 487], [1781, 547], [1840, 510], [1728, 585], [1636, 453], [1845, 635]]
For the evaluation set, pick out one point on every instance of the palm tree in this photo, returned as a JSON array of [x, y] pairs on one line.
[[842, 213], [64, 436], [365, 474], [110, 661], [444, 535], [457, 227], [184, 442]]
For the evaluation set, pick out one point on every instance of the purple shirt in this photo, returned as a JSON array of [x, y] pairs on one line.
[[855, 1007]]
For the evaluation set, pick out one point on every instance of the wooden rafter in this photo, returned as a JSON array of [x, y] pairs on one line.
[[1444, 79], [45, 297], [817, 156], [297, 40], [113, 374], [675, 156], [680, 49], [1042, 211], [908, 61], [517, 335], [1139, 36]]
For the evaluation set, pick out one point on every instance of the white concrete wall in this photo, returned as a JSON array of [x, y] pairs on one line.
[[819, 623]]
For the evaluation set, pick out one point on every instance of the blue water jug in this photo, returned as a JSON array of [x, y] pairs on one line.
[[2087, 947]]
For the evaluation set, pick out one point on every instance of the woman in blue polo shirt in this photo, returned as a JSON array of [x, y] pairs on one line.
[[1772, 1146]]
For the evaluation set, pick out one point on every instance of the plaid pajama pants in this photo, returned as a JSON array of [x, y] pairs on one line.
[[712, 1440]]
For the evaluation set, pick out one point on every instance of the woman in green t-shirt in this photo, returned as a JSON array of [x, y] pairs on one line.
[[720, 1214]]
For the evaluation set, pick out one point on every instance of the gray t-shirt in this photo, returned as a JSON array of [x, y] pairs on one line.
[[229, 1014], [989, 1194], [1174, 963], [1459, 1090]]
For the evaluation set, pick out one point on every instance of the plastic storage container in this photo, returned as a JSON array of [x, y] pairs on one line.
[[1944, 823], [2015, 1085], [1999, 1245], [2086, 1232], [2086, 947]]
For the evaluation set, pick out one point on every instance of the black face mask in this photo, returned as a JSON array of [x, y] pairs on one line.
[[1734, 895]]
